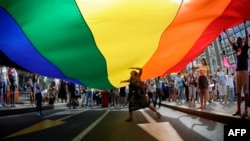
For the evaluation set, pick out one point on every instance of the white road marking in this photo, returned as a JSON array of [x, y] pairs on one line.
[[67, 112], [162, 131], [87, 130], [149, 118]]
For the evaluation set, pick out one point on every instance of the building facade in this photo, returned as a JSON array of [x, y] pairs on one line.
[[220, 47]]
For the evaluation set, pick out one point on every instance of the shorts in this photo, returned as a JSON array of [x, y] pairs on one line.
[[203, 82], [222, 89]]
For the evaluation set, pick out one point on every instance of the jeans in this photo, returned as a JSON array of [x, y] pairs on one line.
[[38, 102], [89, 98], [231, 94], [3, 93], [180, 93], [12, 94], [83, 99], [158, 94], [150, 98]]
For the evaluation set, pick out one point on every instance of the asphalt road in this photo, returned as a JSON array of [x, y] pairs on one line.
[[98, 124]]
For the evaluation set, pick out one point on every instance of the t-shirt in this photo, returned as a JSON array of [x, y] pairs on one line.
[[221, 78], [180, 82], [3, 73], [203, 70], [158, 83], [13, 77], [242, 57], [36, 88], [231, 82], [11, 74]]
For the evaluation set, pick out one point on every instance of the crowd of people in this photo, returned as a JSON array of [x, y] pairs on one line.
[[183, 88]]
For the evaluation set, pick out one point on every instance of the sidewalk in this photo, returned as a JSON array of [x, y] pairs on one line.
[[23, 106], [215, 111]]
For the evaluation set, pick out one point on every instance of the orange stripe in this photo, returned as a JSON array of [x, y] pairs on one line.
[[180, 36]]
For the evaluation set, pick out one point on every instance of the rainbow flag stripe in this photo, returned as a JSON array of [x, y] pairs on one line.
[[94, 42]]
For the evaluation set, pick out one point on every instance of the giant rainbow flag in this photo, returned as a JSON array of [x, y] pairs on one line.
[[94, 42]]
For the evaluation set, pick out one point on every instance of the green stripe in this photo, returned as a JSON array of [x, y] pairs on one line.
[[59, 32]]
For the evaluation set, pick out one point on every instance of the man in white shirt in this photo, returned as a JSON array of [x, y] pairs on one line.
[[3, 86]]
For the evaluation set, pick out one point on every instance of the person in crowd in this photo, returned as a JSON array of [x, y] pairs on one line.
[[158, 92], [4, 81], [113, 99], [203, 81], [95, 97], [52, 93], [57, 82], [99, 97], [149, 91], [192, 87], [116, 93], [180, 87], [175, 96], [171, 90], [242, 80], [127, 93], [63, 89], [89, 100], [83, 93], [122, 96], [185, 85], [37, 91], [72, 94], [138, 98], [13, 78], [210, 88], [222, 85], [230, 81], [216, 91], [31, 90], [165, 88]]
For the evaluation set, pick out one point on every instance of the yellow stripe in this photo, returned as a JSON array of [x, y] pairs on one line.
[[127, 30]]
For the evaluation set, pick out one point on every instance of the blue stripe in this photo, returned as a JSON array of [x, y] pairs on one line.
[[15, 45]]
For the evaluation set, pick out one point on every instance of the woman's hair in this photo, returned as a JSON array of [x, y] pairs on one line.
[[34, 77], [205, 62], [134, 72]]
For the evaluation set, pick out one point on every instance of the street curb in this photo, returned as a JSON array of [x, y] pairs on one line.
[[23, 110], [220, 117], [16, 111]]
